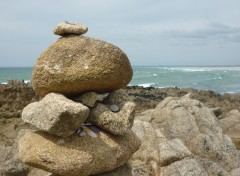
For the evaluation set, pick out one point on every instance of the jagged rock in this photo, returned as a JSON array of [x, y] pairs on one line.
[[217, 111], [66, 28], [186, 166], [117, 123], [123, 170], [56, 115], [9, 129], [146, 159], [231, 126], [10, 165], [78, 64], [74, 156], [38, 172], [171, 151], [89, 99], [183, 137], [14, 96]]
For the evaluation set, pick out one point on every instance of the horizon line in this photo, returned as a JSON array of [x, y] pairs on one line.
[[145, 66]]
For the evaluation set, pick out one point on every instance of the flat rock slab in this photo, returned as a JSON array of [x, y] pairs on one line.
[[66, 28], [56, 115], [74, 156], [77, 64]]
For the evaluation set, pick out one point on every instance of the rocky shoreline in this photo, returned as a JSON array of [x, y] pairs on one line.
[[16, 94], [79, 118]]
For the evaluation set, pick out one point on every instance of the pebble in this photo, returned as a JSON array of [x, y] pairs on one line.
[[95, 129], [114, 108], [87, 130]]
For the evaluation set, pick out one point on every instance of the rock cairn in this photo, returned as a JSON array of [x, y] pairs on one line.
[[79, 133]]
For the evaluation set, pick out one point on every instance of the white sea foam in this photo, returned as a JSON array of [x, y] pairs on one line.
[[147, 85], [137, 77], [229, 92], [202, 69], [27, 81], [191, 69], [155, 74], [219, 77]]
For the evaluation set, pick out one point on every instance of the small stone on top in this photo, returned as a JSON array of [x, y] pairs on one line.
[[66, 28]]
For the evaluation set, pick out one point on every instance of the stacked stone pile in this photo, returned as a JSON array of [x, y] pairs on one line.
[[78, 132]]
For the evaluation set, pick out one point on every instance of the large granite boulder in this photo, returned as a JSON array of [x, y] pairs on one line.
[[56, 114], [76, 64], [183, 137], [74, 156], [231, 126]]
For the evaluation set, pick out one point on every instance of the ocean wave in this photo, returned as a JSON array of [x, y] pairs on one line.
[[191, 69], [219, 77], [137, 77], [145, 85], [201, 69], [229, 92], [25, 81]]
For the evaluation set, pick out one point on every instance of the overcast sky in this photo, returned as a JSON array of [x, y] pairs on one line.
[[150, 32]]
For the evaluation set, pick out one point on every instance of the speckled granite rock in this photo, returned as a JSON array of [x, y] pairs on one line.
[[78, 64], [117, 123], [90, 98], [181, 136], [74, 156], [56, 114], [66, 28], [231, 126]]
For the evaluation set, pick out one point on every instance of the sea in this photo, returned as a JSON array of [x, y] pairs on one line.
[[218, 79]]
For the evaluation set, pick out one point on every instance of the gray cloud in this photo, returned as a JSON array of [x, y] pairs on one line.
[[157, 32]]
